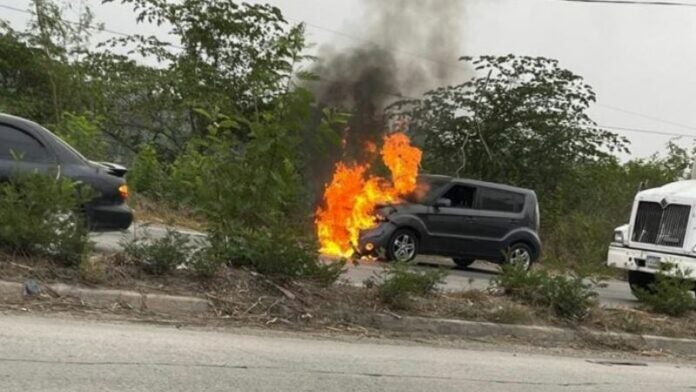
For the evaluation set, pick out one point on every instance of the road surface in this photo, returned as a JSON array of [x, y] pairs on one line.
[[478, 276], [42, 354]]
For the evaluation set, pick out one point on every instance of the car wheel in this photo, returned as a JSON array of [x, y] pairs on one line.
[[520, 254], [403, 246], [640, 281], [463, 263]]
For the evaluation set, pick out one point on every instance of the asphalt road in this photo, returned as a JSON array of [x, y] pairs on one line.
[[42, 354], [478, 276]]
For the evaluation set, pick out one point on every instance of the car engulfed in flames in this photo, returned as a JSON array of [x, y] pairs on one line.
[[352, 198]]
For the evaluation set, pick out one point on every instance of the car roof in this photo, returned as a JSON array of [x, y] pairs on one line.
[[10, 119], [486, 184]]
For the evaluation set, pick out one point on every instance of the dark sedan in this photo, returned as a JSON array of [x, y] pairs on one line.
[[40, 150]]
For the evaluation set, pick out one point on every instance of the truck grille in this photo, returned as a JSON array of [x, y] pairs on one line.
[[661, 226]]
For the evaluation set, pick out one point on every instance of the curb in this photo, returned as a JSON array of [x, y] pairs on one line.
[[11, 292], [531, 334], [14, 293]]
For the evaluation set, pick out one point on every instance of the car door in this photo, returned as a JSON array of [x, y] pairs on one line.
[[497, 213], [21, 151], [450, 226]]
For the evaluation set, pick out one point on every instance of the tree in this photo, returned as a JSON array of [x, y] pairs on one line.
[[226, 57], [520, 120]]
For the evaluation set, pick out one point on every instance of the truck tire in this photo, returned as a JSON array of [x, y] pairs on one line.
[[640, 281]]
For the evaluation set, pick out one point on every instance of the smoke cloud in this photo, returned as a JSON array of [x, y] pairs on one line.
[[404, 48]]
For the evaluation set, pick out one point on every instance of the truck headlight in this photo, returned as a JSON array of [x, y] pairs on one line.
[[618, 237]]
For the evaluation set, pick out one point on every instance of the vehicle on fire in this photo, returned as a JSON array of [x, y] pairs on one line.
[[28, 147], [464, 219], [660, 236]]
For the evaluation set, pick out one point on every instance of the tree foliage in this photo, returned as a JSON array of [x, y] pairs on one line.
[[518, 113]]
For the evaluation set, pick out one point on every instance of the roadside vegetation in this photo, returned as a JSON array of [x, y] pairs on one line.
[[224, 135], [41, 216]]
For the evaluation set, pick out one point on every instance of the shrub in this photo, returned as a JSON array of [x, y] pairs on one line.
[[146, 173], [40, 215], [83, 132], [162, 255], [669, 295], [400, 283], [275, 251], [568, 297]]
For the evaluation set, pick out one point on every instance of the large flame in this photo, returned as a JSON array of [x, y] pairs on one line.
[[351, 197]]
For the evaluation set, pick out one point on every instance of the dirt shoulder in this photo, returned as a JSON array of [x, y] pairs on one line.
[[243, 298]]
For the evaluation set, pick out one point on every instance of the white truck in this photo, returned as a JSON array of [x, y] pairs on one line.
[[661, 235]]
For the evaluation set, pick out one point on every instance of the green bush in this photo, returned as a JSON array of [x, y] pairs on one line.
[[83, 132], [669, 295], [40, 215], [400, 284], [146, 174], [276, 251], [162, 255], [568, 297]]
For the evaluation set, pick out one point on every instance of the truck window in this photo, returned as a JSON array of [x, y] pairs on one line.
[[501, 201], [17, 144]]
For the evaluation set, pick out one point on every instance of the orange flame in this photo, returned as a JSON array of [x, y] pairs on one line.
[[351, 197]]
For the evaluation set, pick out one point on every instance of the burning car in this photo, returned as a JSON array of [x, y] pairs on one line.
[[464, 219]]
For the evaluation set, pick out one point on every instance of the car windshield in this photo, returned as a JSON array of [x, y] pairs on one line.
[[426, 189]]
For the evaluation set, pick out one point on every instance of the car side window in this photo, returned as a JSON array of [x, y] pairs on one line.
[[17, 144], [461, 196], [501, 201]]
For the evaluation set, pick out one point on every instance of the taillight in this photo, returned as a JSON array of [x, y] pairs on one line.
[[123, 191]]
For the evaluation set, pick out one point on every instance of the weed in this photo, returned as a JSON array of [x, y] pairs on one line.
[[400, 283], [669, 295], [568, 297], [161, 255]]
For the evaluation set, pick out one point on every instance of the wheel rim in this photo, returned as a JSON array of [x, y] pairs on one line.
[[520, 256], [404, 247]]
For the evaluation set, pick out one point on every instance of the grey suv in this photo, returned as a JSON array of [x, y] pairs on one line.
[[464, 219]]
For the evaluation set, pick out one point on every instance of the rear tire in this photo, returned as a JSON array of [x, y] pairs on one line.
[[640, 281], [402, 246], [463, 263]]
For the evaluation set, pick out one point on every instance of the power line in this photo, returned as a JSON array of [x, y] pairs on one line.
[[646, 131], [97, 29], [685, 126], [631, 2]]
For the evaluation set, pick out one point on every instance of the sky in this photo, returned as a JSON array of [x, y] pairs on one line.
[[640, 59]]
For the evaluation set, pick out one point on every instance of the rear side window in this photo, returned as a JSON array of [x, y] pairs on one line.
[[18, 144], [499, 200]]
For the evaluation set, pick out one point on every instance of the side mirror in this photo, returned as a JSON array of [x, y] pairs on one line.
[[443, 203]]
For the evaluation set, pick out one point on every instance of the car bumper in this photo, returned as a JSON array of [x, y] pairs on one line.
[[650, 261], [374, 242], [112, 217]]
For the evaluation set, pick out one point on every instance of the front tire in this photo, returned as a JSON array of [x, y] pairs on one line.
[[520, 254], [640, 282], [403, 246]]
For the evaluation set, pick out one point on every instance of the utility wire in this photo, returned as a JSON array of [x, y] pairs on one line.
[[685, 126], [97, 29], [350, 36], [631, 2]]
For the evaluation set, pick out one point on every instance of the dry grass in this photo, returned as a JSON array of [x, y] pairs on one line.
[[246, 297], [149, 211]]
